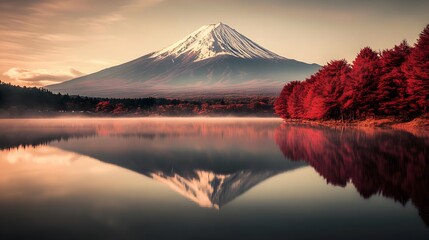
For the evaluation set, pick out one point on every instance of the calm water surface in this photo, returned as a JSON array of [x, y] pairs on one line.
[[186, 178]]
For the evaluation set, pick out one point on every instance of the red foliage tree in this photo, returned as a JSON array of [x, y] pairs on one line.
[[295, 106], [312, 100], [391, 90], [281, 103], [416, 71], [395, 82], [334, 77], [119, 109], [104, 106], [324, 90], [366, 72]]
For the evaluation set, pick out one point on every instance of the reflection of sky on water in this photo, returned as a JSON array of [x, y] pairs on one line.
[[235, 165]]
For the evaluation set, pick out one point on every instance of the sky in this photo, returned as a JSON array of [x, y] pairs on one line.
[[49, 41]]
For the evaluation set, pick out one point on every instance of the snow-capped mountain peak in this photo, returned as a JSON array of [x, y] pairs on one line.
[[215, 40], [213, 61]]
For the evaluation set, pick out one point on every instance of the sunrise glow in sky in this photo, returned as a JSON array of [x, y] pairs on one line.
[[50, 41]]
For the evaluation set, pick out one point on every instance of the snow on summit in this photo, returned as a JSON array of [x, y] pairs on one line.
[[215, 40], [213, 61]]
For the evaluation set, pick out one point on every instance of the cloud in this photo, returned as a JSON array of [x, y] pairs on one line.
[[59, 32], [41, 77], [59, 37], [99, 23], [99, 62]]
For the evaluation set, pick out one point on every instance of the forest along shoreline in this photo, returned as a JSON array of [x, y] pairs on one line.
[[388, 88]]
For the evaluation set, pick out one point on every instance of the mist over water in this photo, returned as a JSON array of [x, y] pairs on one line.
[[209, 178]]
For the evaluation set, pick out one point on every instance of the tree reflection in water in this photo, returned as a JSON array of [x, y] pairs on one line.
[[393, 164]]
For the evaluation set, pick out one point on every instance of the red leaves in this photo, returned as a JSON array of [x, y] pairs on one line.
[[416, 70], [104, 106], [119, 109], [391, 93], [317, 97], [280, 105], [107, 107], [365, 75], [393, 82]]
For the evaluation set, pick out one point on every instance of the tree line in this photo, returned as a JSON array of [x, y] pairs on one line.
[[16, 101], [33, 98], [393, 82]]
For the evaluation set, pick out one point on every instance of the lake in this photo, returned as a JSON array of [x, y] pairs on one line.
[[210, 178]]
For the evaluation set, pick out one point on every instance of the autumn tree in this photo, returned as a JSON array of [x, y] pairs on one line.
[[365, 74], [280, 105], [393, 82], [104, 106], [295, 104], [334, 77], [119, 109], [391, 90], [312, 100], [323, 91], [416, 71]]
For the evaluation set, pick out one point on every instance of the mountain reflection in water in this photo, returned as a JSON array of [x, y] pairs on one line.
[[391, 163], [194, 158], [214, 161]]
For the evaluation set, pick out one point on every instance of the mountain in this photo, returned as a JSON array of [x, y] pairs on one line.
[[216, 40], [214, 60]]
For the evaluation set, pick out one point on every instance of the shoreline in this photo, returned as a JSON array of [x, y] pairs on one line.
[[50, 115], [417, 126]]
